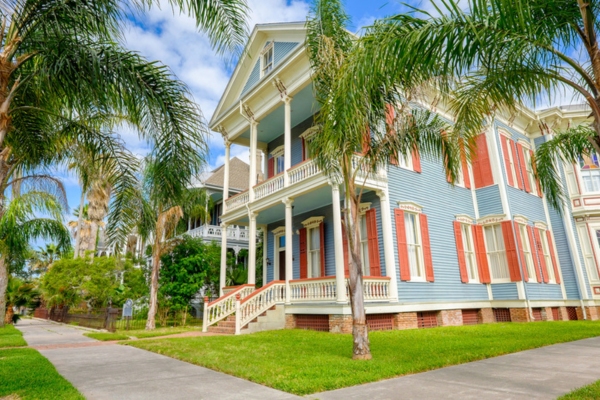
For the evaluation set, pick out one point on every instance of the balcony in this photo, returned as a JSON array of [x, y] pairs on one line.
[[213, 232]]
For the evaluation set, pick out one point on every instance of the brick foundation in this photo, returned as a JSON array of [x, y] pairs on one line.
[[519, 315], [340, 323], [406, 320], [591, 313], [486, 316], [290, 321], [579, 313], [547, 314], [450, 318], [562, 312]]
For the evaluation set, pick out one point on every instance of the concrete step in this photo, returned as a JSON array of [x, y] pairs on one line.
[[272, 319]]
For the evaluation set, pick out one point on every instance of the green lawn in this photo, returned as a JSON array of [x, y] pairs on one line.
[[589, 392], [29, 375], [139, 333], [304, 362], [11, 337], [106, 336]]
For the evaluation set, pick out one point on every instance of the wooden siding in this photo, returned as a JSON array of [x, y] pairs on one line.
[[280, 50], [488, 200], [505, 291]]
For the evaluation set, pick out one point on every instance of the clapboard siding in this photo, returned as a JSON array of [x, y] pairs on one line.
[[296, 151], [441, 203], [526, 204], [270, 254], [505, 291], [280, 50], [488, 200], [253, 78], [542, 291]]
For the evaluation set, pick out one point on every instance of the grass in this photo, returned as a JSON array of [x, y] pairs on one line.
[[138, 333], [106, 336], [11, 337], [26, 374], [305, 362], [589, 392]]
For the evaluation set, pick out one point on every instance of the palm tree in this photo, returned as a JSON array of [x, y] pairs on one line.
[[61, 63], [383, 128], [489, 55], [156, 209], [19, 294]]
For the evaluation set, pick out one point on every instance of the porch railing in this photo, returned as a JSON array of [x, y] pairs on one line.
[[238, 200], [268, 187], [224, 306], [215, 232], [318, 289], [376, 287], [303, 171], [257, 303]]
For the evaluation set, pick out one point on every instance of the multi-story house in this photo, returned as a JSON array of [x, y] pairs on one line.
[[486, 249]]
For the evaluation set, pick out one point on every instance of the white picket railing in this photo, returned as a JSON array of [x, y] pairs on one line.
[[303, 171], [224, 306], [365, 172], [215, 232], [238, 200], [376, 288], [318, 289], [257, 303], [268, 187]]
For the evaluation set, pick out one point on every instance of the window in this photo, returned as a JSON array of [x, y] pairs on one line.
[[588, 252], [590, 172], [279, 164], [314, 252], [510, 156], [547, 256], [469, 249], [529, 169], [527, 251], [267, 59], [277, 161], [496, 253], [405, 161], [364, 245], [413, 241]]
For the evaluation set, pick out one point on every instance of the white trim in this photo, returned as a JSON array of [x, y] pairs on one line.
[[491, 219], [269, 47], [464, 219], [540, 225], [312, 222], [410, 206], [279, 231], [363, 208], [521, 219], [278, 151]]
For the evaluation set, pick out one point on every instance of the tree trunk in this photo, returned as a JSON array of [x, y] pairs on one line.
[[151, 322], [360, 334], [94, 227], [79, 224], [10, 312], [3, 287]]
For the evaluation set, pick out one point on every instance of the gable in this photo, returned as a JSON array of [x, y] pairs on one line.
[[280, 50]]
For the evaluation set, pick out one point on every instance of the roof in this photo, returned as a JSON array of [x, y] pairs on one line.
[[239, 173]]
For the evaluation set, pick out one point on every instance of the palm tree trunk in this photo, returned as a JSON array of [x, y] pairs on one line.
[[151, 322], [94, 227], [10, 312], [360, 335], [3, 286], [79, 223]]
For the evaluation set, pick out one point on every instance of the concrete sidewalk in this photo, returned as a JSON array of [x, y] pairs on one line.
[[114, 371], [543, 373]]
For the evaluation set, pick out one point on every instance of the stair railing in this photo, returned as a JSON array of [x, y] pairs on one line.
[[224, 306], [259, 301]]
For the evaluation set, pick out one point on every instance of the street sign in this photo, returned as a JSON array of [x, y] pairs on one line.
[[128, 308]]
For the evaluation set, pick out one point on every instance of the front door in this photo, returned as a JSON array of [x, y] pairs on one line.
[[282, 265]]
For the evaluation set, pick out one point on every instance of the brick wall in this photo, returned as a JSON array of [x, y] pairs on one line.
[[592, 313], [340, 323], [450, 318], [562, 311], [547, 314], [519, 315], [290, 321], [486, 316], [406, 320]]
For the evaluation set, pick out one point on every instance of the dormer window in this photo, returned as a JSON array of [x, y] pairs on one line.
[[267, 59]]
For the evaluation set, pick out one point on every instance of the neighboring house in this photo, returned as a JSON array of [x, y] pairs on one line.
[[487, 249]]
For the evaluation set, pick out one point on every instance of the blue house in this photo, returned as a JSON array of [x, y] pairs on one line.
[[486, 249]]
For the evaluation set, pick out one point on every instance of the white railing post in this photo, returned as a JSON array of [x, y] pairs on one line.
[[238, 315], [205, 317]]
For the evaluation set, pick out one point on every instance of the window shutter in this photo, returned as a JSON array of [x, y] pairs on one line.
[[540, 253], [482, 261], [373, 241], [521, 252], [346, 255], [271, 171], [465, 172], [553, 256], [416, 161], [504, 143], [533, 253], [322, 244], [534, 169], [482, 169], [521, 153], [517, 163], [511, 251], [426, 248], [460, 251], [402, 245], [303, 254], [303, 143]]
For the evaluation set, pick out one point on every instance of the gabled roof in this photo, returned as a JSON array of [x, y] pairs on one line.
[[239, 173], [292, 34]]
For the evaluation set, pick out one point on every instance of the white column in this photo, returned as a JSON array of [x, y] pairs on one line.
[[253, 142], [288, 246], [388, 243], [265, 251], [252, 248], [287, 134], [226, 176], [340, 279], [223, 258]]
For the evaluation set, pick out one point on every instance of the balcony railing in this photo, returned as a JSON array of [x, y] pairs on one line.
[[238, 200], [268, 187], [215, 232]]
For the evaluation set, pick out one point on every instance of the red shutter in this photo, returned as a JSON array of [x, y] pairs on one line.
[[426, 248], [515, 157], [346, 255], [511, 251], [460, 252], [504, 145], [540, 252], [465, 171], [271, 170], [537, 181], [482, 169], [402, 245], [521, 253], [373, 240], [303, 255], [416, 161], [322, 244], [482, 261], [533, 253], [521, 153], [553, 256], [303, 142]]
